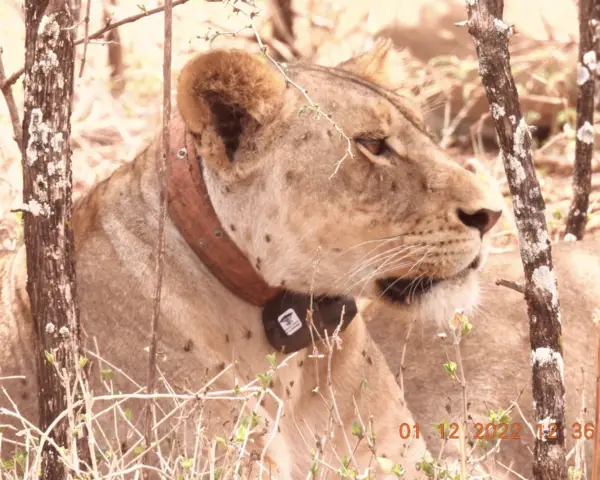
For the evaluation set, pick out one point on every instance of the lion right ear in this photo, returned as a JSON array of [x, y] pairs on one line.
[[382, 64], [224, 94]]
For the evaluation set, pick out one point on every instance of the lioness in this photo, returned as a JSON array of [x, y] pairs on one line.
[[257, 213], [496, 356]]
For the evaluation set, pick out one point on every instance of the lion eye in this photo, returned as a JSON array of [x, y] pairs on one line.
[[376, 147]]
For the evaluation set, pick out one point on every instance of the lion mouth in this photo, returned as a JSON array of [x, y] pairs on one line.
[[405, 290]]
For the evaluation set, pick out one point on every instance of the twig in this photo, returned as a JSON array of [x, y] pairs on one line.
[[86, 39], [403, 358], [490, 35], [463, 386], [13, 111], [313, 106], [516, 286], [460, 116], [589, 41], [15, 76], [162, 182]]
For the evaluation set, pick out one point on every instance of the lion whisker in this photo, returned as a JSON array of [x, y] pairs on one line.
[[391, 255]]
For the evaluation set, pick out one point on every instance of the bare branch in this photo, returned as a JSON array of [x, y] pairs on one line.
[[86, 38], [589, 41], [490, 35], [15, 76], [516, 286], [13, 111]]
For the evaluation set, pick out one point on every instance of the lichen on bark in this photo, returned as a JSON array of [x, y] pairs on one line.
[[49, 64], [490, 35]]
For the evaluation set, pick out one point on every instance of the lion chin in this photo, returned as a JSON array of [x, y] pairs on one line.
[[434, 299]]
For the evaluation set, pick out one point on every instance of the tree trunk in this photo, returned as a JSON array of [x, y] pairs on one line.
[[589, 39], [490, 35], [115, 53], [49, 64], [283, 21]]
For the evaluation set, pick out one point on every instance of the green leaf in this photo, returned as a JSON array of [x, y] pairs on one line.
[[241, 434], [499, 416], [272, 360], [221, 441], [106, 374], [83, 361], [265, 380], [450, 367], [254, 421], [357, 429], [187, 463], [49, 357], [466, 326], [139, 449], [128, 414], [399, 470]]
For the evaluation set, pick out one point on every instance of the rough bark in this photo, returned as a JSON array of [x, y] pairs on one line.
[[589, 40], [490, 35], [49, 63]]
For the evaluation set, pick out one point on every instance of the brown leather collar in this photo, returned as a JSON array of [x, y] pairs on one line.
[[191, 210]]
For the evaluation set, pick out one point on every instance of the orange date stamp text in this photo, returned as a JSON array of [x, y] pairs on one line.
[[503, 431]]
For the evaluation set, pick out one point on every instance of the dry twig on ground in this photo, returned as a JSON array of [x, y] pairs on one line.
[[589, 40], [490, 35]]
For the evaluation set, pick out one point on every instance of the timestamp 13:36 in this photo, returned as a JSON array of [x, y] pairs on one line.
[[504, 431]]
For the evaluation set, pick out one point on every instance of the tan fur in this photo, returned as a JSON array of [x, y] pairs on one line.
[[496, 354], [272, 189]]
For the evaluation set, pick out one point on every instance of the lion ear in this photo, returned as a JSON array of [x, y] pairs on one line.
[[381, 64], [224, 94]]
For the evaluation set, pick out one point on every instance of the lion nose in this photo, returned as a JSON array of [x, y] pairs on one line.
[[483, 219]]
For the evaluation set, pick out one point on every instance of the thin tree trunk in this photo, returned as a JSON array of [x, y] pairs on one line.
[[160, 250], [283, 21], [490, 35], [589, 39], [115, 54], [49, 63]]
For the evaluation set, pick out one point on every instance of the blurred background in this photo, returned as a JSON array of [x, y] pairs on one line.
[[117, 106]]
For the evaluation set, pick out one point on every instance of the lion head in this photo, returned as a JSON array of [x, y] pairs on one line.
[[330, 183]]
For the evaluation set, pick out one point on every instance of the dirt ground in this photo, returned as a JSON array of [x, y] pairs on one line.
[[114, 116]]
